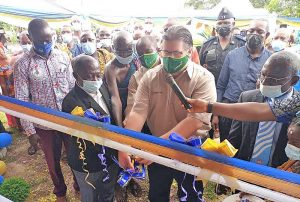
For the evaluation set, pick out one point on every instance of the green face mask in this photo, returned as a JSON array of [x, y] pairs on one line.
[[173, 65], [149, 60]]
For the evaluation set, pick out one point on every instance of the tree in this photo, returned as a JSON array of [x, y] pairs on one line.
[[281, 7], [285, 8], [202, 4]]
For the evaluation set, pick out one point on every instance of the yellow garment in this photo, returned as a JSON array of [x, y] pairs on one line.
[[103, 58], [64, 48]]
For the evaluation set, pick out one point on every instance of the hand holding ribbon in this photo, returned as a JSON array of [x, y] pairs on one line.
[[194, 142], [138, 172]]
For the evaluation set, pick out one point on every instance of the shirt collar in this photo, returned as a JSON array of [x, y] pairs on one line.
[[286, 95], [257, 58], [32, 53], [190, 69]]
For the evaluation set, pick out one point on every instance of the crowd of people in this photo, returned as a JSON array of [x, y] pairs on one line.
[[247, 79]]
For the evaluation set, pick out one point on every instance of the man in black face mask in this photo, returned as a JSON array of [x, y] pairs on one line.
[[215, 49], [241, 67]]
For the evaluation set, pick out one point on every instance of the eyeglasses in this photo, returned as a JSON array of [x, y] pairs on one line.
[[138, 27], [263, 78], [104, 35], [258, 31], [175, 54]]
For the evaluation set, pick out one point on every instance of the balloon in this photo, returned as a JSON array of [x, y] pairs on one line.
[[5, 139], [2, 167], [1, 179]]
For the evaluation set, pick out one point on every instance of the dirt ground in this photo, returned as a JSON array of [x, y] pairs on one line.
[[34, 170]]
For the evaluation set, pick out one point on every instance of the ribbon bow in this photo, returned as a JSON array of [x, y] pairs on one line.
[[91, 114], [194, 142], [139, 172]]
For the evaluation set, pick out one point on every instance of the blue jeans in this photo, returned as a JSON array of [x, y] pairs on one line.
[[104, 192]]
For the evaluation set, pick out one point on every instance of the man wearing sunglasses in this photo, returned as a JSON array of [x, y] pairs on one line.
[[264, 142]]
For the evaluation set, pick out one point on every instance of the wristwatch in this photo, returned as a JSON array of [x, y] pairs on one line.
[[209, 107]]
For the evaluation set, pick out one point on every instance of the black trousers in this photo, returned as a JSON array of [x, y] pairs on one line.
[[161, 178], [225, 123]]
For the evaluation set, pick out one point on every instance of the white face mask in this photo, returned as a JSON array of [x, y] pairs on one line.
[[148, 27], [91, 86], [26, 48], [105, 42], [67, 38], [125, 61], [271, 91], [292, 152], [88, 48]]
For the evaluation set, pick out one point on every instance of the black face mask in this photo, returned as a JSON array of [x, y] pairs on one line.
[[254, 41], [223, 30]]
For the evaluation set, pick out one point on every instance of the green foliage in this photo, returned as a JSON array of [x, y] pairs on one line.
[[285, 8], [15, 189], [202, 4], [281, 7], [11, 32]]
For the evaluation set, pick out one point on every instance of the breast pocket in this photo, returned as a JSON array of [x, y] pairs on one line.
[[211, 59]]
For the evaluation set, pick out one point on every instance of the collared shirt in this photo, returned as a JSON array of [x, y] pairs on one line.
[[99, 99], [239, 73], [134, 83], [156, 102], [278, 126], [42, 81]]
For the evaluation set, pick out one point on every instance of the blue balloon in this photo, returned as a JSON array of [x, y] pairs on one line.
[[1, 179], [5, 139]]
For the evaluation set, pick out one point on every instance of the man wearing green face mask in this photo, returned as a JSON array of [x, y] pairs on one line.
[[146, 48], [156, 102]]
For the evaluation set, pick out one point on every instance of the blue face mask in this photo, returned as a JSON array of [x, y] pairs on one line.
[[88, 48], [278, 45], [43, 48], [91, 86]]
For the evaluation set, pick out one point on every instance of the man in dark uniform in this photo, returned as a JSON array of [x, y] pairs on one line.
[[215, 49]]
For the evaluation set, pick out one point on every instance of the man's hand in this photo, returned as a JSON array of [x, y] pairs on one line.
[[215, 123], [198, 105], [143, 161], [125, 160]]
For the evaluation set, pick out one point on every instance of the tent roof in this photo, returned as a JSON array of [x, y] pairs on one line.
[[241, 9]]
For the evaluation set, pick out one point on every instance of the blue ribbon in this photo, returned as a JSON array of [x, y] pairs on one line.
[[194, 142], [97, 116], [126, 175], [104, 119]]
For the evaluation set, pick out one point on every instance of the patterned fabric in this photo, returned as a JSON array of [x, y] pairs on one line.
[[64, 48], [6, 77], [291, 166], [103, 58], [285, 110], [263, 143], [42, 81]]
